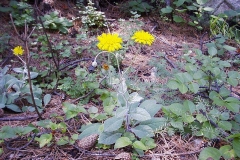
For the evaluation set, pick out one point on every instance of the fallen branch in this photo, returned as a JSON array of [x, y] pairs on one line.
[[18, 118]]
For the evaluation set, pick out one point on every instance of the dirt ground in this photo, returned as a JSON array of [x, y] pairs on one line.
[[170, 40]]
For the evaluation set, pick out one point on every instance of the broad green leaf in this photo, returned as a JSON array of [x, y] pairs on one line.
[[177, 124], [46, 99], [233, 74], [201, 2], [168, 9], [151, 106], [155, 123], [93, 110], [89, 130], [44, 139], [216, 71], [198, 74], [24, 130], [188, 118], [113, 124], [178, 109], [236, 146], [227, 152], [139, 145], [122, 142], [108, 137], [225, 125], [208, 131], [63, 140], [172, 84], [178, 19], [13, 107], [224, 92], [233, 82], [194, 87], [229, 48], [201, 118], [224, 116], [237, 135], [142, 131], [210, 152], [121, 112], [212, 51], [232, 107], [187, 77], [179, 2], [72, 110], [148, 142], [140, 114], [7, 132], [183, 88], [190, 105], [192, 8]]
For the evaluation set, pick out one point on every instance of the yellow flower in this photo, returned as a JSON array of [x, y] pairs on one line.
[[143, 37], [109, 42], [18, 51]]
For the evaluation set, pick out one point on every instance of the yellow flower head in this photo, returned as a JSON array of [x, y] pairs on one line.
[[18, 51], [143, 37], [109, 42]]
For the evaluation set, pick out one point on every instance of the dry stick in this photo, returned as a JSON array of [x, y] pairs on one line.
[[27, 59], [17, 118]]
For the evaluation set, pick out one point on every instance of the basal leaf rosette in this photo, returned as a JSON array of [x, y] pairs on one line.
[[109, 42], [143, 37], [18, 51]]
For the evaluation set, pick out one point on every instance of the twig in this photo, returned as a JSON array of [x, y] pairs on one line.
[[18, 118], [170, 62], [74, 62]]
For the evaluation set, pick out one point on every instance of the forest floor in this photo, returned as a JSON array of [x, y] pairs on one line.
[[171, 40]]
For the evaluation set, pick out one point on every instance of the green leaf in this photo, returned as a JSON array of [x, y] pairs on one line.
[[232, 107], [44, 139], [190, 105], [140, 114], [178, 19], [192, 8], [179, 2], [208, 9], [209, 152], [188, 118], [236, 146], [122, 142], [24, 130], [201, 118], [225, 125], [7, 132], [224, 116], [183, 88], [151, 106], [139, 145], [194, 87], [143, 131], [46, 99], [198, 74], [177, 124], [89, 130], [168, 9], [63, 140], [72, 110], [172, 84], [229, 48], [148, 142], [108, 137], [93, 110], [113, 124], [177, 109], [212, 51], [216, 71], [233, 82], [155, 123], [13, 107], [201, 2], [224, 92], [134, 97], [227, 152]]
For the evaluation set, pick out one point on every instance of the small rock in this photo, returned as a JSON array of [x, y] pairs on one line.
[[88, 142]]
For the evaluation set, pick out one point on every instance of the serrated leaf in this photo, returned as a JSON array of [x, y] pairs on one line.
[[46, 99], [122, 142], [113, 124], [108, 137], [143, 131], [210, 152], [139, 145], [140, 114], [44, 139], [150, 106]]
